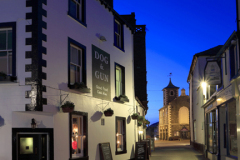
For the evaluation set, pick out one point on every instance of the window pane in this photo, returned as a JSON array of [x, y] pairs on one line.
[[79, 57], [73, 8], [120, 135], [78, 75], [26, 145], [72, 74], [3, 40], [9, 39], [233, 149], [10, 63], [74, 55], [3, 62], [77, 137]]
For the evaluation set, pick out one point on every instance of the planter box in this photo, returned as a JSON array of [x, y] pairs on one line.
[[108, 114], [81, 89], [67, 109], [134, 117]]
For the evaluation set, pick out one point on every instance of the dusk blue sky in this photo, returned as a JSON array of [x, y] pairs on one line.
[[176, 30]]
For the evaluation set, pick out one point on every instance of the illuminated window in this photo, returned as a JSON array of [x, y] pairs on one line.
[[120, 80], [232, 129], [120, 135], [78, 134]]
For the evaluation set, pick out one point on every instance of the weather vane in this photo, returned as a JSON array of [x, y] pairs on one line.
[[170, 75]]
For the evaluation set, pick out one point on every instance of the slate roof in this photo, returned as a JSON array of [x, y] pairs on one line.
[[210, 52], [170, 85]]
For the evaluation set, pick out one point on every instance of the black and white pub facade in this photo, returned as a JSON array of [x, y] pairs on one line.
[[66, 80]]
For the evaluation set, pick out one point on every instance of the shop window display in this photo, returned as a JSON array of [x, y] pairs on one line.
[[212, 131], [77, 136], [232, 129]]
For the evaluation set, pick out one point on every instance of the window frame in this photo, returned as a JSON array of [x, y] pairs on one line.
[[118, 22], [123, 119], [81, 20], [232, 61], [71, 43], [123, 78], [84, 116], [11, 25], [228, 105]]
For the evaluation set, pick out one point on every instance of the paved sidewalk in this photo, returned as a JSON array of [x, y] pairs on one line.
[[175, 150]]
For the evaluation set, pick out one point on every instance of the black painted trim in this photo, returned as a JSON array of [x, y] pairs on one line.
[[122, 33], [84, 62], [13, 26], [85, 132], [83, 22], [125, 136], [15, 131], [36, 54]]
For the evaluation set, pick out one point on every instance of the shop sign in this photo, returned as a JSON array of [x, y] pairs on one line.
[[105, 151], [209, 108], [152, 143], [212, 73], [226, 94], [141, 151], [101, 74], [148, 146]]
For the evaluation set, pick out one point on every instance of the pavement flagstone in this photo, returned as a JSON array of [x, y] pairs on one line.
[[175, 150]]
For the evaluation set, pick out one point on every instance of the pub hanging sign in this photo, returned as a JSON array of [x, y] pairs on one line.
[[212, 73], [101, 74]]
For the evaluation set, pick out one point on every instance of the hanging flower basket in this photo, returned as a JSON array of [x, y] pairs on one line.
[[141, 119], [68, 107], [139, 123], [134, 116], [146, 121], [109, 112]]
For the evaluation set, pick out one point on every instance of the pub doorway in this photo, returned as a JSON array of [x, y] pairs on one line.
[[32, 144]]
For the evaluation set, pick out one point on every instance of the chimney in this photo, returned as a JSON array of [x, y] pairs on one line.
[[183, 92], [109, 2], [238, 14]]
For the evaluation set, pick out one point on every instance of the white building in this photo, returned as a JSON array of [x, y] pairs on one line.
[[46, 49], [214, 101]]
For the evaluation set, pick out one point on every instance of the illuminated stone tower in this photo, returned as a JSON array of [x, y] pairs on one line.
[[169, 93]]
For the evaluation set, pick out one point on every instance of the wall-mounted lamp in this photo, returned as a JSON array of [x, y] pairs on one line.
[[140, 132], [33, 124], [101, 37]]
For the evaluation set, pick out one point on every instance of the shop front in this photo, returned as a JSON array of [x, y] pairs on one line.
[[221, 126]]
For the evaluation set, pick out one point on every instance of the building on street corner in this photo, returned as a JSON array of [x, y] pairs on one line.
[[67, 80], [214, 100], [174, 115]]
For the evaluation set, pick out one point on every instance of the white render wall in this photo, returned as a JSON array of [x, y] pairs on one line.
[[197, 99], [12, 95], [60, 26]]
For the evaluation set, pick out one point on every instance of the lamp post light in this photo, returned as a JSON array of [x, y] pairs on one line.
[[33, 124]]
